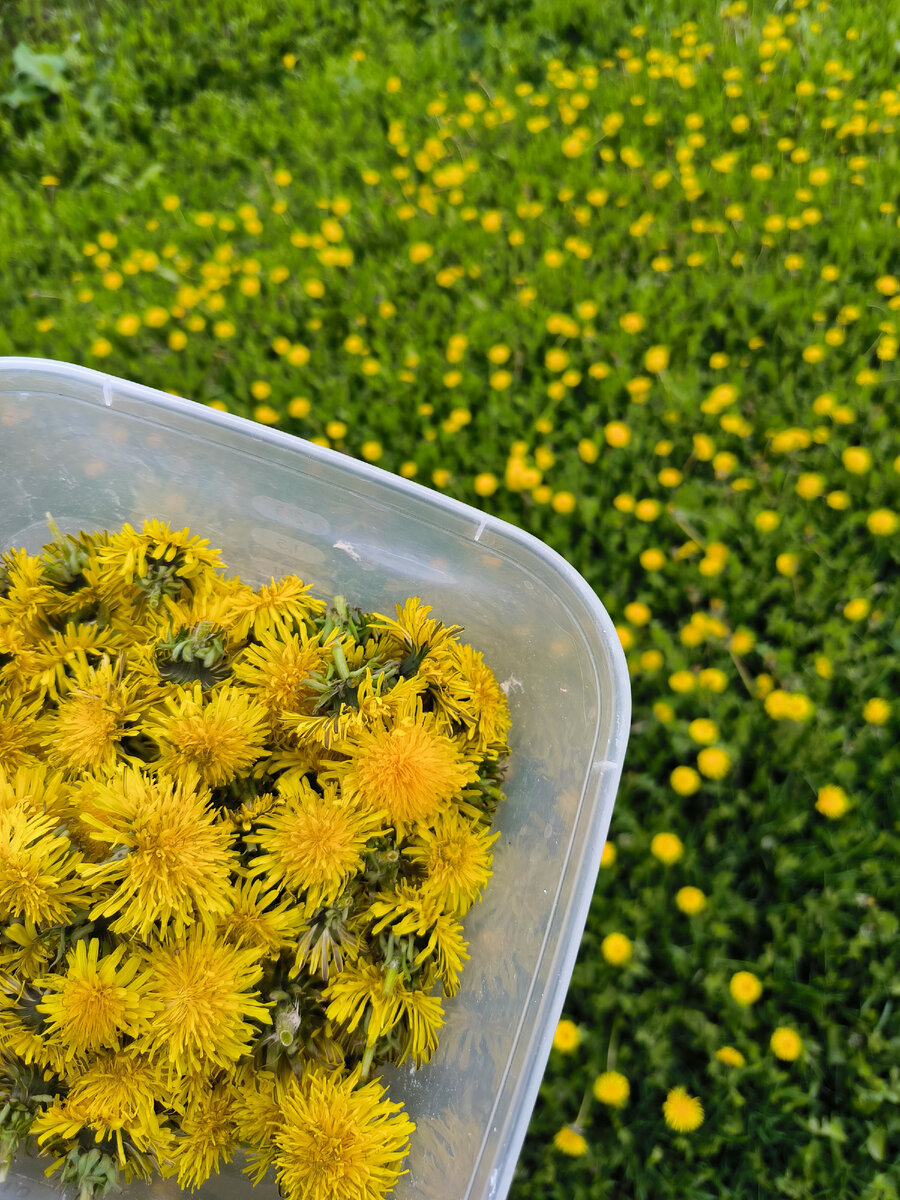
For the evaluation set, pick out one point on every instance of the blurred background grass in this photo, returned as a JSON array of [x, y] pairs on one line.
[[629, 279]]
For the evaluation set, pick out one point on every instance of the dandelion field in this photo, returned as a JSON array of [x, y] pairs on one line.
[[632, 283]]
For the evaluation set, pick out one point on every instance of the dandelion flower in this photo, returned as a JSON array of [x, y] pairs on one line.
[[612, 1088], [832, 801], [257, 1114], [314, 844], [356, 996], [566, 1036], [339, 1139], [275, 671], [745, 988], [209, 1136], [485, 700], [690, 900], [175, 860], [682, 1112], [667, 847], [411, 911], [114, 1095], [268, 921], [456, 857], [206, 1007], [421, 1018], [570, 1141], [37, 789], [730, 1056], [96, 1001], [158, 562], [220, 738], [86, 730], [18, 733], [786, 1044], [616, 949], [409, 771], [37, 868], [275, 608]]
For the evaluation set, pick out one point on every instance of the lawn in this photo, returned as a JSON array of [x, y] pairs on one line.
[[629, 280]]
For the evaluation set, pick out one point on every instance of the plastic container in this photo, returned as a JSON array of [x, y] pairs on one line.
[[96, 451]]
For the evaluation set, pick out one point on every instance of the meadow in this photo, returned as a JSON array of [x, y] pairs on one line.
[[630, 281]]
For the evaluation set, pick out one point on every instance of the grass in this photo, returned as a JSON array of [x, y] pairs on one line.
[[631, 283]]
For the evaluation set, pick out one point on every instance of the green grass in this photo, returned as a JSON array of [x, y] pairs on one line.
[[146, 105]]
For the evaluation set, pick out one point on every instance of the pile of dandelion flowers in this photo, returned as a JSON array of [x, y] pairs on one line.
[[96, 1001], [339, 1139], [206, 1007], [456, 858], [410, 770], [219, 737], [170, 861], [314, 844]]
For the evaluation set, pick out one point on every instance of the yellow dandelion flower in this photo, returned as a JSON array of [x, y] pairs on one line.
[[25, 951], [730, 1056], [682, 1112], [566, 1036], [157, 561], [356, 996], [340, 1139], [690, 900], [218, 737], [63, 654], [275, 670], [409, 771], [612, 1088], [409, 910], [616, 949], [421, 1019], [114, 1095], [257, 1115], [832, 801], [667, 847], [19, 735], [314, 844], [36, 789], [86, 730], [786, 1044], [468, 692], [267, 921], [96, 1001], [745, 988], [207, 1008], [455, 856], [209, 1134], [570, 1141], [37, 868], [173, 862], [276, 608]]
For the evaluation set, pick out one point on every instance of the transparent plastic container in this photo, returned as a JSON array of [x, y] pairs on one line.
[[96, 451]]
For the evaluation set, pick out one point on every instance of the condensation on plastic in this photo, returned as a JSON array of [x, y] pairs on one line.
[[96, 451]]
